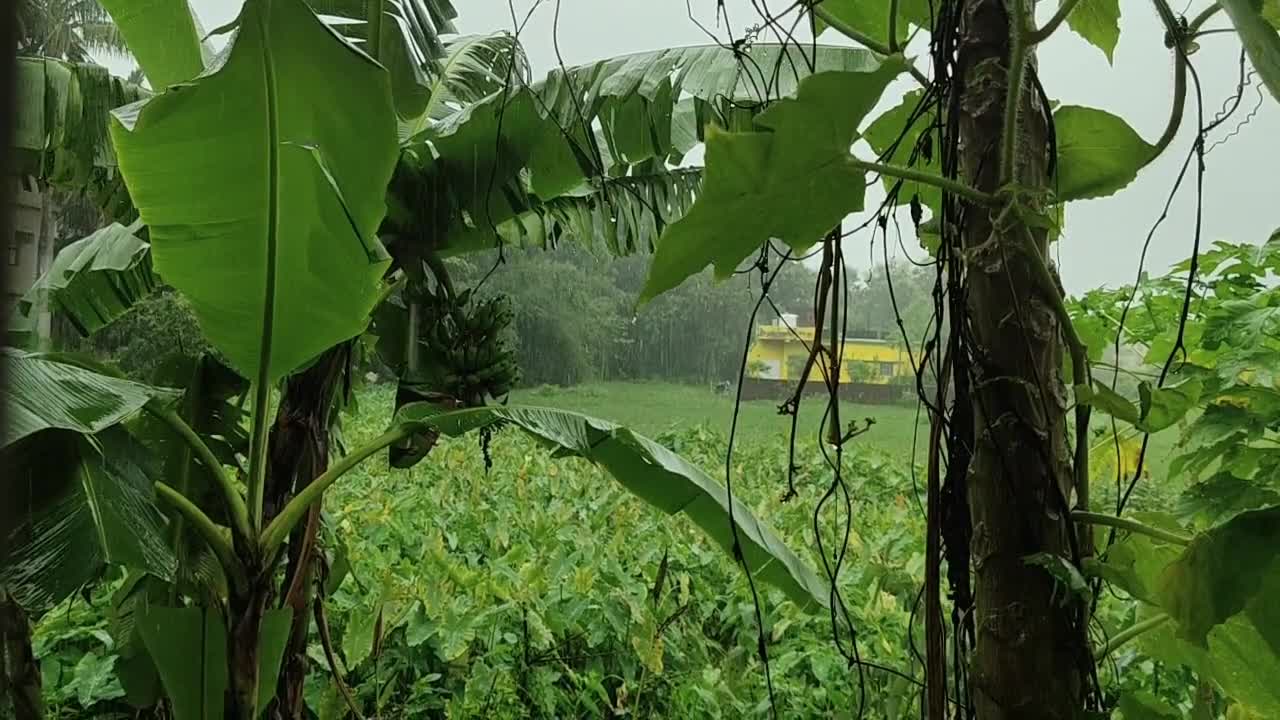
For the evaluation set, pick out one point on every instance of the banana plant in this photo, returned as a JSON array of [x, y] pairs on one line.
[[263, 213]]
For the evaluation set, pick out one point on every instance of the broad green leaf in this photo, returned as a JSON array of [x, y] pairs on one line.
[[164, 36], [1110, 402], [95, 680], [1236, 657], [1098, 153], [1141, 705], [88, 502], [41, 393], [1162, 407], [872, 17], [1223, 496], [1222, 571], [655, 475], [626, 215], [647, 107], [1135, 563], [1261, 40], [895, 138], [1098, 22], [357, 639], [94, 280], [263, 183], [195, 681], [789, 180]]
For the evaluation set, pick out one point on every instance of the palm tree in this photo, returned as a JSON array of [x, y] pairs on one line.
[[67, 30]]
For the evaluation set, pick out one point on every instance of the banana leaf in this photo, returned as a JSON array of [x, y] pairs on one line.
[[93, 280], [262, 183]]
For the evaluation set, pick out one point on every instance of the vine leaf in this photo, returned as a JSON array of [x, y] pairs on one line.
[[883, 135], [1110, 402], [787, 180], [1098, 153], [1142, 705], [651, 472], [1237, 658], [1162, 407], [1260, 37], [872, 18], [1157, 408], [1225, 571], [1098, 22]]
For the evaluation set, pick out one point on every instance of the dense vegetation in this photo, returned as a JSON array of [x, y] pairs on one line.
[[326, 455]]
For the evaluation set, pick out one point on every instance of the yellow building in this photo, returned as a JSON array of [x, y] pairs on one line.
[[781, 349]]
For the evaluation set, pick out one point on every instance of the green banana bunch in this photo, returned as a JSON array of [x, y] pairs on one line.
[[466, 354]]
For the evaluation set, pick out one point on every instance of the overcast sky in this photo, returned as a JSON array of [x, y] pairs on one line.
[[1103, 237]]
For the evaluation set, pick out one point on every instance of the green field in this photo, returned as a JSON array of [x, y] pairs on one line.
[[655, 407]]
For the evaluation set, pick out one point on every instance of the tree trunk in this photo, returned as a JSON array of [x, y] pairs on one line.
[[1027, 661], [299, 453], [19, 671]]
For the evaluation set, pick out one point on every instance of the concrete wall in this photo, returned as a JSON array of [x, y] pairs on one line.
[[28, 251]]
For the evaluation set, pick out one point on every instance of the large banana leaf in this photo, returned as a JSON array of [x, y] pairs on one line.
[[40, 393], [93, 280], [262, 183], [655, 475], [408, 43], [82, 501], [77, 486], [626, 215], [164, 36], [60, 128], [494, 159]]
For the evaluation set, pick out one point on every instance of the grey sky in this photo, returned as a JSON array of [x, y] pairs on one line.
[[1103, 237]]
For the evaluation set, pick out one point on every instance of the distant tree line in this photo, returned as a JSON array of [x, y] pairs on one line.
[[576, 317], [577, 320]]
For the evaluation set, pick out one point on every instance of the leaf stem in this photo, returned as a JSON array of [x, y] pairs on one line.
[[296, 509], [952, 186], [893, 25], [1042, 33], [1193, 27], [262, 386], [1129, 633], [1018, 46], [1131, 525], [235, 502], [208, 529], [863, 39]]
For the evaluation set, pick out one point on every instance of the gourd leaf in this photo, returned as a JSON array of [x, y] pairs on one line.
[[789, 179], [1098, 22], [1098, 153]]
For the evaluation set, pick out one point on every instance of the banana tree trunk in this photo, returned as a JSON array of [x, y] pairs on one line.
[[19, 671], [299, 453], [246, 608], [1028, 661]]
